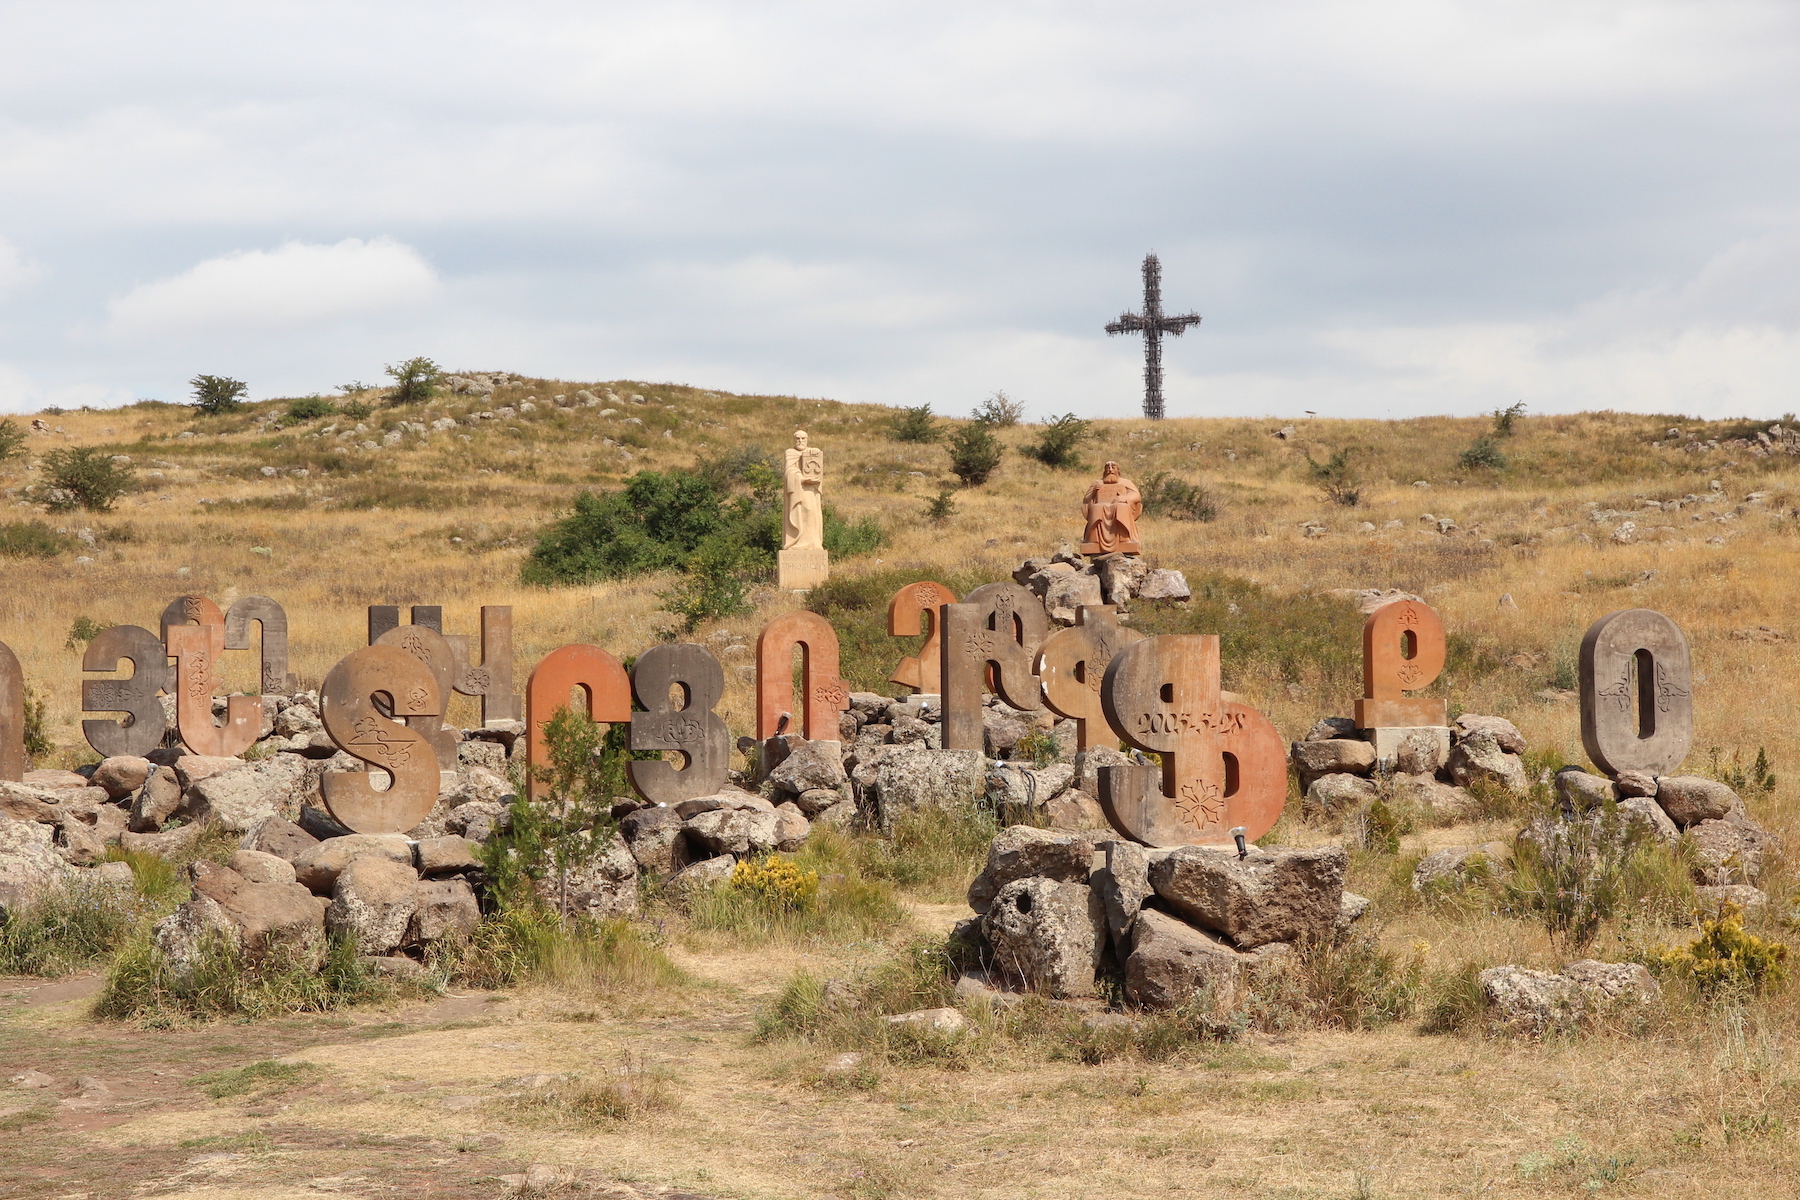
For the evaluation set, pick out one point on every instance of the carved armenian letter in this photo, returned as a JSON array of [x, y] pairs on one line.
[[1403, 651], [432, 650], [1000, 626], [196, 650], [272, 618], [135, 695], [12, 716], [191, 610], [347, 704], [598, 674], [826, 695], [493, 679], [694, 728], [1637, 702], [906, 613], [1223, 763], [1072, 665]]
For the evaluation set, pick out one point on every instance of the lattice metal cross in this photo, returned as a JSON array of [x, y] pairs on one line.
[[1153, 324]]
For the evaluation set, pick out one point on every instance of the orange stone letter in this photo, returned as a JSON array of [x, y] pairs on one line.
[[1403, 650], [1072, 665], [597, 673], [826, 694], [905, 612], [347, 707], [196, 650]]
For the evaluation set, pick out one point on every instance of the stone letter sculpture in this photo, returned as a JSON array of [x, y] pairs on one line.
[[196, 650], [191, 610], [1072, 665], [1000, 626], [1403, 651], [493, 679], [1111, 510], [1223, 763], [694, 729], [347, 704], [826, 695], [1637, 703], [607, 690], [906, 613], [272, 618], [802, 562], [434, 652], [135, 695], [12, 716]]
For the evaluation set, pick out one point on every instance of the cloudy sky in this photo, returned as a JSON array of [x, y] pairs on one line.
[[1381, 208]]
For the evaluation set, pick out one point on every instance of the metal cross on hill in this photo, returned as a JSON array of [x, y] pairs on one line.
[[1152, 324]]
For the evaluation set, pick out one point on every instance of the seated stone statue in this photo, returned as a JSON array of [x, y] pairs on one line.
[[1112, 508]]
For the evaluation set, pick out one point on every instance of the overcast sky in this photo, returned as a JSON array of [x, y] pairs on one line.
[[1381, 209]]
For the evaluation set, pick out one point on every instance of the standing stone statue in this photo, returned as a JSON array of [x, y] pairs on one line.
[[1111, 509], [802, 562]]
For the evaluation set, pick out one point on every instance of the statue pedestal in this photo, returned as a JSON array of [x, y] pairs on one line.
[[801, 568]]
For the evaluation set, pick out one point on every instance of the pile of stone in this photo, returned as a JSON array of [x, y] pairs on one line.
[[1340, 766], [697, 843], [1538, 1002], [286, 892], [1059, 911], [1728, 847], [1067, 580]]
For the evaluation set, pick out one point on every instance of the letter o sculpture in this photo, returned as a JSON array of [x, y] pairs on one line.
[[1637, 703]]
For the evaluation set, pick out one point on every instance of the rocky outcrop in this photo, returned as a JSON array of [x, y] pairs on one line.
[[1537, 1002]]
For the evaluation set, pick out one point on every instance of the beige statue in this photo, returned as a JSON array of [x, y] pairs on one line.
[[802, 562], [1112, 508]]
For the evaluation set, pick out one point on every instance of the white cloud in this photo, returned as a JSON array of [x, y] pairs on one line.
[[15, 272], [281, 290]]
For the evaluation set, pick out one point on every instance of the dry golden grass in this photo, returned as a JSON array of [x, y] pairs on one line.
[[1703, 1106]]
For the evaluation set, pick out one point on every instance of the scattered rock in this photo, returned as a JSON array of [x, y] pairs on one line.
[[704, 875], [156, 801], [447, 855], [280, 837], [1478, 757], [1164, 585], [1334, 795], [1506, 734], [931, 1020], [1727, 852], [319, 866], [1336, 756], [1280, 896], [121, 775], [258, 867], [1170, 963], [1690, 799], [734, 831], [1022, 851], [443, 908], [1047, 935], [1714, 899], [373, 901], [1581, 791], [811, 766], [603, 886], [1635, 783], [240, 798], [1455, 867], [1328, 729]]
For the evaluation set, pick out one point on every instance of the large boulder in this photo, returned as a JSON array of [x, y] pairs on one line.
[[1690, 799], [373, 902], [1421, 752], [1047, 935], [1022, 851], [1580, 791], [238, 799], [1648, 816], [1327, 729], [280, 837], [258, 867], [28, 802], [1335, 795], [1164, 584], [1506, 734], [1171, 963], [907, 779], [791, 827], [193, 768], [1123, 884], [1068, 591], [1727, 852], [443, 908], [121, 775], [811, 765], [1090, 762], [29, 864], [1479, 758], [1445, 801], [653, 835], [602, 886], [1337, 756], [1024, 789], [1073, 808], [256, 919], [1537, 1001], [734, 831], [448, 855], [1121, 575], [699, 877], [1002, 730], [319, 867], [156, 800], [1270, 896]]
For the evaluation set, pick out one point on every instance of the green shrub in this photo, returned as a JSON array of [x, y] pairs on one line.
[[12, 440], [1338, 476], [142, 986], [847, 539], [1504, 418], [309, 408], [1060, 442], [36, 734], [415, 380], [68, 927], [30, 539], [356, 410], [656, 523], [1483, 454], [941, 507], [83, 477], [1725, 960], [913, 425], [1000, 411], [216, 394], [84, 630], [974, 453], [1166, 496], [1581, 877]]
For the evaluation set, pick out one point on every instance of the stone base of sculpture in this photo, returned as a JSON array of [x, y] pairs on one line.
[[1388, 740], [1125, 546], [801, 568], [1399, 714]]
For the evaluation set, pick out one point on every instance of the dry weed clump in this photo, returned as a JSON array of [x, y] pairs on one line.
[[633, 1090]]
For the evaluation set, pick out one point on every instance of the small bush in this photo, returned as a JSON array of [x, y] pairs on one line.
[[1166, 496], [66, 928], [941, 507], [974, 453], [715, 585], [84, 630], [1504, 418], [1338, 476], [787, 899], [913, 425], [12, 440], [356, 410], [847, 539], [217, 394], [309, 408], [36, 734], [30, 539], [1725, 960], [1058, 445], [1455, 1001], [141, 986], [83, 477], [415, 380], [1000, 411], [1756, 782], [1353, 984], [1483, 455], [1580, 878]]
